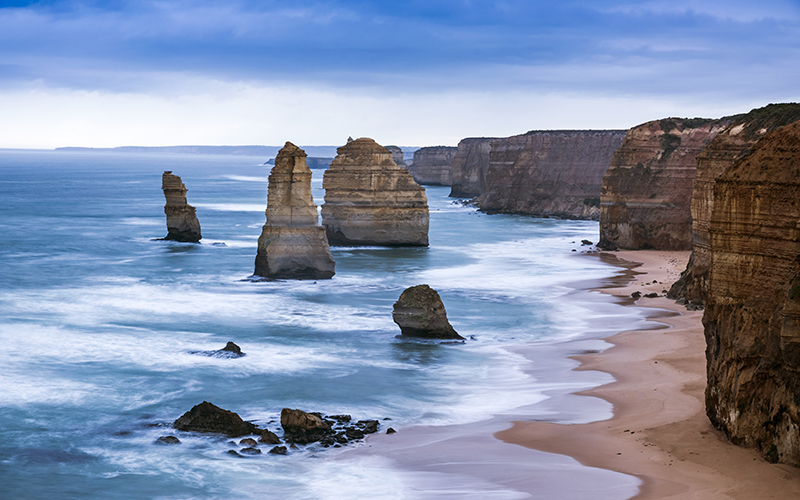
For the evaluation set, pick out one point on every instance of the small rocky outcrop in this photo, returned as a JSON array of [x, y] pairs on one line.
[[433, 165], [301, 427], [182, 223], [397, 156], [210, 418], [419, 312], [549, 173], [752, 316], [470, 164], [292, 244], [230, 351], [647, 190], [369, 200], [730, 145]]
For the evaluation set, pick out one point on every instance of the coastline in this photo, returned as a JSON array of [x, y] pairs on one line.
[[659, 432]]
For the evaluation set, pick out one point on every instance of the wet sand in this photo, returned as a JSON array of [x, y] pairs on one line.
[[659, 431]]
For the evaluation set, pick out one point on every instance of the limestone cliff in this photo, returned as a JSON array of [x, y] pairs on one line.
[[647, 190], [470, 164], [752, 318], [549, 173], [182, 223], [369, 200], [292, 244], [397, 156], [727, 147], [433, 165]]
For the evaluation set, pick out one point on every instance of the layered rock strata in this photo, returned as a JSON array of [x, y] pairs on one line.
[[549, 173], [292, 244], [433, 165], [752, 318], [397, 156], [182, 223], [369, 200], [727, 147], [647, 191], [419, 312], [470, 164]]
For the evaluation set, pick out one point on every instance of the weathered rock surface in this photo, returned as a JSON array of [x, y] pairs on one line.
[[207, 417], [470, 164], [230, 351], [433, 165], [419, 312], [727, 147], [182, 223], [369, 200], [397, 156], [300, 427], [752, 317], [647, 190], [549, 173], [292, 245]]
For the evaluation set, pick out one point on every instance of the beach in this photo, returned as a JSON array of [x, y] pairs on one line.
[[659, 431]]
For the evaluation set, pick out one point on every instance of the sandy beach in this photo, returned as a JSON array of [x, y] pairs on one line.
[[659, 431]]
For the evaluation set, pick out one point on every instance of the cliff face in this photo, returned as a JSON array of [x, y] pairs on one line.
[[369, 200], [182, 223], [647, 190], [397, 156], [470, 164], [727, 147], [549, 173], [752, 318], [433, 165], [292, 245]]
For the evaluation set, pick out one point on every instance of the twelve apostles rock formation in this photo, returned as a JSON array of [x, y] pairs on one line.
[[369, 200], [752, 318], [292, 244], [647, 190], [419, 312], [397, 156], [727, 147], [182, 223], [470, 164], [549, 173], [433, 165]]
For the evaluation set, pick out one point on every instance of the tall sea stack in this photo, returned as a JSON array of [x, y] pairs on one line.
[[182, 223], [752, 317], [369, 200], [292, 244]]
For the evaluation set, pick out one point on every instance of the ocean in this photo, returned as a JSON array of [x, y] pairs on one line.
[[100, 324]]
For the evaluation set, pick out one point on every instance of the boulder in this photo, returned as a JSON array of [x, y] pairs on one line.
[[168, 440], [420, 313], [182, 223], [210, 418], [268, 437], [301, 427]]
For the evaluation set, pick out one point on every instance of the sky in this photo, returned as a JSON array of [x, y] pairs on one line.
[[409, 72]]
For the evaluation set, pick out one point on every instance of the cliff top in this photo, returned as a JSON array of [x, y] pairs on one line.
[[775, 158], [576, 132]]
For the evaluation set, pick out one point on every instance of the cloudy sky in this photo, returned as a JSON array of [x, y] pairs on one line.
[[410, 72]]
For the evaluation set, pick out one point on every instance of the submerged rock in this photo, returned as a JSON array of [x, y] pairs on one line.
[[168, 440], [207, 417], [420, 313], [369, 200], [292, 244], [230, 351], [182, 223]]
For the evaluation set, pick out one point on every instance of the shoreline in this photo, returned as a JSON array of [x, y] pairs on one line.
[[658, 432]]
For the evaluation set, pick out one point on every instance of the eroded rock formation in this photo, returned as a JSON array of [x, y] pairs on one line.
[[470, 164], [433, 165], [727, 147], [647, 190], [752, 318], [397, 156], [369, 200], [549, 173], [182, 223], [292, 244], [207, 417], [419, 312]]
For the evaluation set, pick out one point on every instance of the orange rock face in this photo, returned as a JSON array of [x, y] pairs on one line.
[[752, 318]]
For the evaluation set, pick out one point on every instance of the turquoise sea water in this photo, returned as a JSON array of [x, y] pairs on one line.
[[98, 323]]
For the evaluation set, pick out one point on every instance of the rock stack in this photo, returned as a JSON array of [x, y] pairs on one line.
[[369, 200], [182, 223], [419, 312], [397, 156], [292, 244], [433, 165]]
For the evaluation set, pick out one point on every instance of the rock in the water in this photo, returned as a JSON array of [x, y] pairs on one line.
[[292, 244], [268, 437], [420, 313], [369, 200], [182, 223], [390, 431], [230, 351], [433, 165], [278, 450], [248, 442], [232, 348], [168, 440], [301, 427], [250, 451], [207, 417]]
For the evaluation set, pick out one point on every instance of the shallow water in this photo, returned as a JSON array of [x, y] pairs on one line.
[[98, 323]]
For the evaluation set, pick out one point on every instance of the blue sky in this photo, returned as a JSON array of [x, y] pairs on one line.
[[111, 73]]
